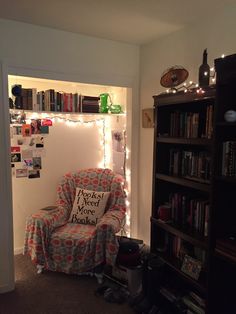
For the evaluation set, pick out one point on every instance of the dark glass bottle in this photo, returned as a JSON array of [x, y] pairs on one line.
[[204, 71]]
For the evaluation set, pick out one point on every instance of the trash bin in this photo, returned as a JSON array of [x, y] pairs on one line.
[[128, 262]]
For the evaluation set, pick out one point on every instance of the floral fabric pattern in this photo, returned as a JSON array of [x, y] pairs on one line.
[[74, 248]]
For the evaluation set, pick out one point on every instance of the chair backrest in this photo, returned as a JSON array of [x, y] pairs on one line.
[[94, 179]]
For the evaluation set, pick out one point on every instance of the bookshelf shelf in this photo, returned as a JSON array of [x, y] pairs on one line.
[[69, 113], [185, 141], [225, 256], [226, 124], [187, 235], [184, 182], [226, 179], [167, 99]]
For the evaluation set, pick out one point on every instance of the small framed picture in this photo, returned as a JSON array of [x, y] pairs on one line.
[[191, 267], [148, 118]]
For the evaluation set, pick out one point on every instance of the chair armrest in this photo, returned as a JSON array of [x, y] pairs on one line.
[[112, 219], [38, 230], [52, 218]]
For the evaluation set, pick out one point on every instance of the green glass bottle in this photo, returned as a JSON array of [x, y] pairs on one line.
[[104, 102]]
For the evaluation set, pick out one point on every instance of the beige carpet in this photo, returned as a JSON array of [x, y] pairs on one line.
[[55, 293]]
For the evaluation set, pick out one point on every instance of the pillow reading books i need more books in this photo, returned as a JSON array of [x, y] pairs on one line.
[[88, 207]]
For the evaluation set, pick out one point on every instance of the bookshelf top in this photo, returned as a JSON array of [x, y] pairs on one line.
[[167, 99]]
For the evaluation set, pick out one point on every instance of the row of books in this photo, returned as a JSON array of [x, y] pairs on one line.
[[192, 124], [177, 248], [229, 159], [190, 164], [51, 100], [185, 302], [189, 302], [194, 303], [190, 213]]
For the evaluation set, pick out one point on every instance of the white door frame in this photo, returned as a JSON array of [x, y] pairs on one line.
[[7, 281]]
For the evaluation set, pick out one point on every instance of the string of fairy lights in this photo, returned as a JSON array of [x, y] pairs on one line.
[[105, 142], [188, 86]]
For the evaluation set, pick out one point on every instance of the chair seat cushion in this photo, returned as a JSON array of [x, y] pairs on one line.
[[73, 248]]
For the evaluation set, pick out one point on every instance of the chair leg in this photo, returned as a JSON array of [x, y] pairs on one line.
[[40, 269], [99, 277]]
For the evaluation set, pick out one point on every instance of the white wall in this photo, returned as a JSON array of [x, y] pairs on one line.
[[66, 148], [48, 53], [185, 48]]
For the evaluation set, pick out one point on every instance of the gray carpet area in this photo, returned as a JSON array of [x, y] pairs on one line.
[[55, 293]]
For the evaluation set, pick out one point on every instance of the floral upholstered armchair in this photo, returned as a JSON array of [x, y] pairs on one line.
[[58, 240]]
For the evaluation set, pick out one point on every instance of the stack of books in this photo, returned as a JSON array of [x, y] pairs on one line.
[[90, 104]]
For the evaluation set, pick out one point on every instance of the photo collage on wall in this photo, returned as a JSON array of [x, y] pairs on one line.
[[27, 145], [118, 151]]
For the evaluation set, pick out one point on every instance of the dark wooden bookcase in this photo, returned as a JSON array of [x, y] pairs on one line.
[[194, 179], [223, 233]]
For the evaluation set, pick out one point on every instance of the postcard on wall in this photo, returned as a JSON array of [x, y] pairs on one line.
[[21, 141], [37, 163], [17, 130], [35, 126], [46, 122], [11, 132], [44, 129], [32, 142], [39, 152], [39, 142], [26, 130], [21, 173], [118, 160], [28, 163], [118, 141], [15, 157], [15, 149], [32, 174], [17, 118], [27, 154]]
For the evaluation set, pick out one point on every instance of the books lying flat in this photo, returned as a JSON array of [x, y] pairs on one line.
[[49, 208]]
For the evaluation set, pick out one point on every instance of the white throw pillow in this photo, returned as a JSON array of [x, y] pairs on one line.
[[88, 207]]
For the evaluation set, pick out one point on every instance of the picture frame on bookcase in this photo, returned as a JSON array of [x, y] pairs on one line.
[[191, 267]]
